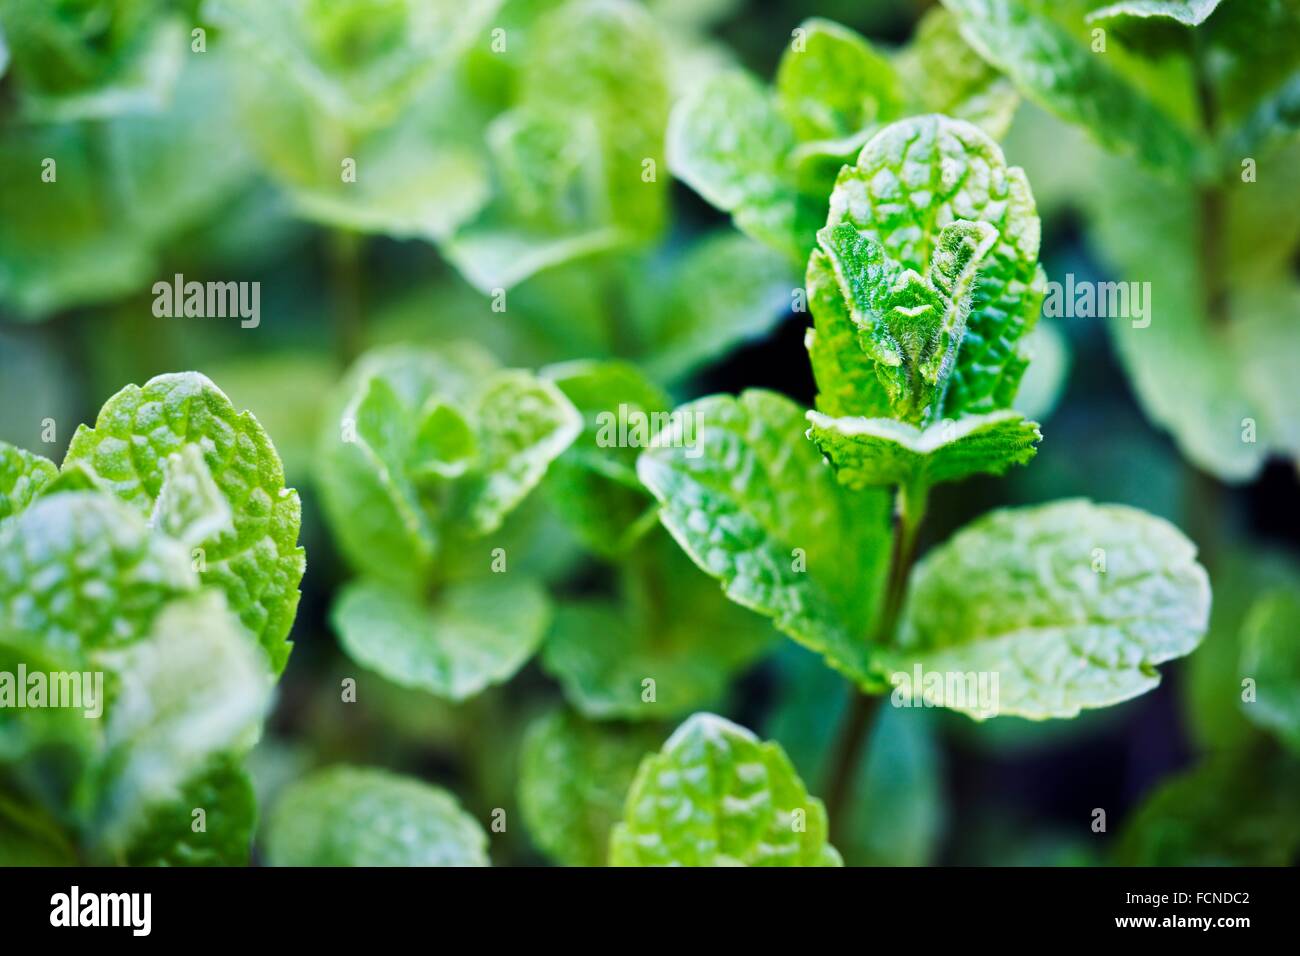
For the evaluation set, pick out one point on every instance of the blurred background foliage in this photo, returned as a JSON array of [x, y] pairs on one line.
[[484, 176]]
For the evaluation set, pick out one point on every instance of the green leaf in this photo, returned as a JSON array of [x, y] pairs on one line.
[[190, 507], [1270, 654], [395, 492], [870, 452], [760, 511], [1020, 597], [725, 289], [576, 156], [944, 75], [259, 565], [593, 485], [1232, 810], [833, 85], [351, 816], [22, 476], [1055, 67], [1190, 13], [473, 634], [192, 689], [672, 643], [81, 570], [573, 779], [524, 423], [224, 792], [716, 795], [922, 197], [729, 143]]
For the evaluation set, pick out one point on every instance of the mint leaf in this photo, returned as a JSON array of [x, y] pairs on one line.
[[593, 485], [1055, 67], [760, 511], [573, 780], [642, 658], [81, 570], [870, 452], [352, 816], [1270, 657], [472, 634], [423, 447], [1190, 13], [259, 565], [523, 423], [22, 476], [922, 198], [224, 793], [728, 142], [833, 87], [193, 688], [1020, 595], [190, 506], [716, 795]]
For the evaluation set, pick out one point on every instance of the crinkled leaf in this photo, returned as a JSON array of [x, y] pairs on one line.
[[259, 565], [913, 183], [472, 634], [351, 816], [1270, 655], [172, 835], [1021, 596], [22, 476], [190, 507], [646, 656], [593, 485], [870, 452], [195, 687], [1055, 67], [716, 795], [82, 570], [728, 142], [759, 510], [573, 779]]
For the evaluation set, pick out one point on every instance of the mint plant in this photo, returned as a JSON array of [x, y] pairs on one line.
[[161, 556], [1197, 103], [924, 281]]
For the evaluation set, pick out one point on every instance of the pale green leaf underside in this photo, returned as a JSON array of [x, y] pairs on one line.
[[573, 779], [350, 816], [473, 634], [259, 565], [758, 492], [193, 688], [1190, 13], [716, 795], [22, 476], [869, 452], [1020, 595], [1270, 655]]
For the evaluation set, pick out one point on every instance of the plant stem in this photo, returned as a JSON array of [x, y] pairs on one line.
[[345, 269], [909, 512]]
